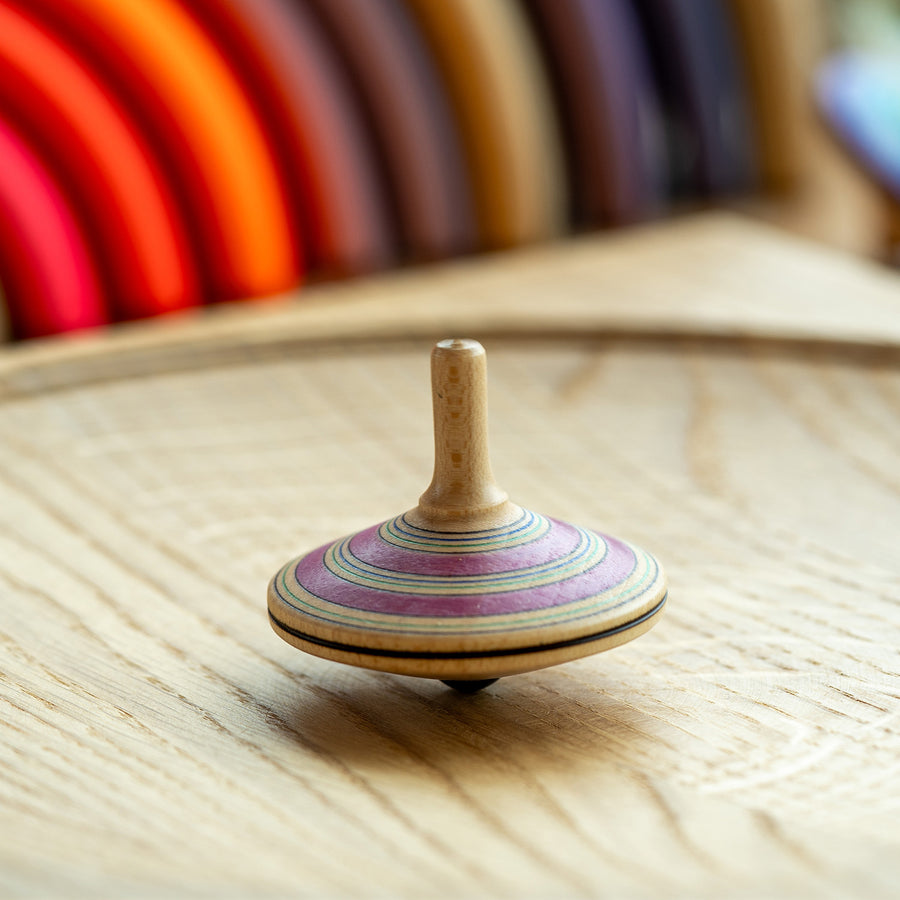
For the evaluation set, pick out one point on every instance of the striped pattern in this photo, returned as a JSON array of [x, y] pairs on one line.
[[402, 590], [400, 532]]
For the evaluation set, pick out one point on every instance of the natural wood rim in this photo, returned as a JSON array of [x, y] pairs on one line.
[[489, 297], [473, 666], [518, 650]]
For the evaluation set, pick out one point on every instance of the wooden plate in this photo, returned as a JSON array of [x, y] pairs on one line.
[[719, 394]]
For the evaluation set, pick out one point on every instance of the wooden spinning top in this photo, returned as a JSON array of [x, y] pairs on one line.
[[467, 586]]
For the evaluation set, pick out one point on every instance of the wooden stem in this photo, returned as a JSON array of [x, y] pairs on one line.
[[463, 495]]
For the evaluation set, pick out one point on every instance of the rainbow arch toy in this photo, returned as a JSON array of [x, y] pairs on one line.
[[172, 153]]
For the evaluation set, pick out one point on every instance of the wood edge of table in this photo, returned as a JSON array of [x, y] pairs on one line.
[[610, 285]]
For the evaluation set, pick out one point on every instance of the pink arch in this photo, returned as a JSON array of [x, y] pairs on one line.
[[46, 268]]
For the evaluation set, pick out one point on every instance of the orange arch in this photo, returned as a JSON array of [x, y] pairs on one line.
[[178, 81], [298, 85]]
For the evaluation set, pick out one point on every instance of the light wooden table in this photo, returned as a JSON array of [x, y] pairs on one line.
[[726, 397]]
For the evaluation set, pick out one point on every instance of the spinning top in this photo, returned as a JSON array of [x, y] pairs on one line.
[[467, 586]]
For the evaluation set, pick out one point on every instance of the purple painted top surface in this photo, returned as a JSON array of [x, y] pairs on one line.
[[558, 541], [573, 565]]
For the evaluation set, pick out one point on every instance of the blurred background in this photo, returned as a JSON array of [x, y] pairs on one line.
[[158, 155]]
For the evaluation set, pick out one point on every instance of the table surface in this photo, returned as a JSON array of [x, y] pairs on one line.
[[726, 397]]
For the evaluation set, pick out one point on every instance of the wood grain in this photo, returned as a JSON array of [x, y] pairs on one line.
[[158, 740]]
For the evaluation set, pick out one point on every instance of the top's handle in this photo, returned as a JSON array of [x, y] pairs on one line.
[[463, 495]]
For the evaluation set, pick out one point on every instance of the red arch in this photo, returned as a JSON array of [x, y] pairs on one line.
[[45, 266]]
